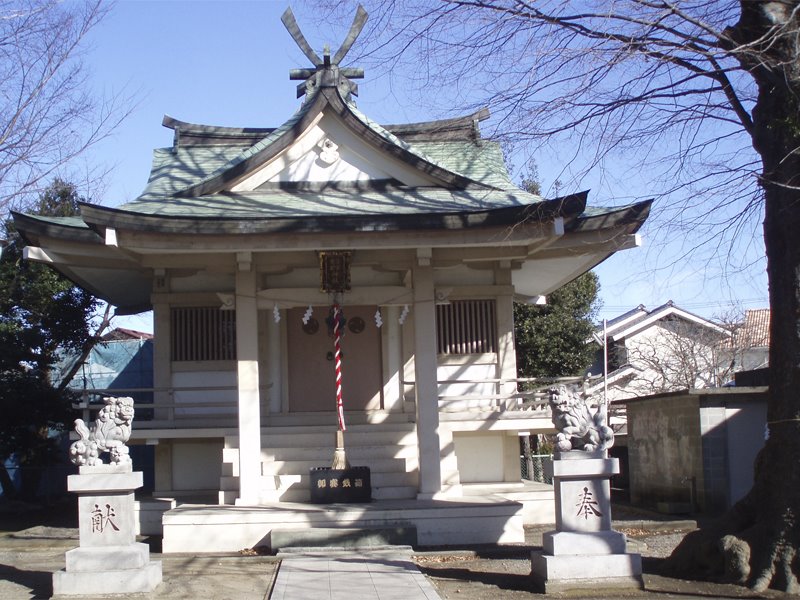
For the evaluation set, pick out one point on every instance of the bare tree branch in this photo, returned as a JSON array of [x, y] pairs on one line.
[[48, 114], [702, 99]]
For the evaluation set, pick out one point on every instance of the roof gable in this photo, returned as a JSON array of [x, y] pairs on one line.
[[327, 113], [329, 151], [639, 319]]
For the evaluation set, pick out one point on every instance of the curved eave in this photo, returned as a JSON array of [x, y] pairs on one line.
[[196, 129], [590, 239], [32, 228], [568, 208], [630, 217], [80, 255], [326, 97], [124, 288], [625, 220]]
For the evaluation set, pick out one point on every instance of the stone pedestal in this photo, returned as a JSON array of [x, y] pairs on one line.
[[584, 552], [108, 560]]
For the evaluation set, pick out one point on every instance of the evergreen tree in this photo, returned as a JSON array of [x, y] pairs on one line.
[[41, 313], [551, 339]]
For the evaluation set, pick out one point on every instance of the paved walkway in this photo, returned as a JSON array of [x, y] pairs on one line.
[[371, 575]]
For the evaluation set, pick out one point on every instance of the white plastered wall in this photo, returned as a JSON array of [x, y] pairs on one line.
[[196, 465], [487, 457]]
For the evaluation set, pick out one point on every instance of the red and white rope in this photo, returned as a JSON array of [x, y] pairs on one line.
[[337, 344]]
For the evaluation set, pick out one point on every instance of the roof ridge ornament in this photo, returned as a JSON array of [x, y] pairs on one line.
[[326, 71]]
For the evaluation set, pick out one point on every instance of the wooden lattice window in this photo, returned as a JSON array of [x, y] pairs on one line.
[[466, 327], [203, 333]]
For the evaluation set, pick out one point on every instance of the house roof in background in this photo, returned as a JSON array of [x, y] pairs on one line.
[[121, 333], [640, 318], [755, 329]]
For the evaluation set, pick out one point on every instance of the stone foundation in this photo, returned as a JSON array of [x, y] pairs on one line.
[[109, 560], [584, 553]]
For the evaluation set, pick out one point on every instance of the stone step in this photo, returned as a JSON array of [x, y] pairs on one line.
[[324, 453], [373, 437], [330, 427], [317, 452], [342, 537], [218, 529], [323, 420], [288, 467], [510, 491], [378, 480], [394, 492]]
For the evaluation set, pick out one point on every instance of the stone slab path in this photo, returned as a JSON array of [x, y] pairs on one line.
[[343, 575]]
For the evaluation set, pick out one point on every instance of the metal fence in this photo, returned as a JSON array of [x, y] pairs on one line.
[[534, 469]]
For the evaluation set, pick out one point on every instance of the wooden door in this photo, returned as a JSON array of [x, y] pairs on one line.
[[312, 385]]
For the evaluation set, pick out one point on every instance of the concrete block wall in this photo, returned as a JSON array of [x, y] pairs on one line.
[[665, 450]]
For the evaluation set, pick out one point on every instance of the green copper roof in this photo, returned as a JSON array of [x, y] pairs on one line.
[[174, 169], [474, 179], [76, 222], [482, 161], [281, 203]]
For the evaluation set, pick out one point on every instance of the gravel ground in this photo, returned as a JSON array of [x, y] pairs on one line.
[[30, 551], [492, 573]]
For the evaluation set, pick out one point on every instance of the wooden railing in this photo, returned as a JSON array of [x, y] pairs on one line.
[[508, 396], [165, 413], [528, 394]]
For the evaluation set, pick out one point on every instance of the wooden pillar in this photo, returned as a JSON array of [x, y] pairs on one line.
[[426, 388], [247, 382]]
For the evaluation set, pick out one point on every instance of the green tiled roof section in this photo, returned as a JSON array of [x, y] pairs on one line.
[[174, 170], [417, 149], [208, 163], [243, 154], [63, 221], [481, 162], [286, 204]]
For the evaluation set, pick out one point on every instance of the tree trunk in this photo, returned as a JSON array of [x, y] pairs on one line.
[[91, 342], [776, 491], [757, 541]]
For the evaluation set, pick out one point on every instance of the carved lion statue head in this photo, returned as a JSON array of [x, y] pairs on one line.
[[122, 408]]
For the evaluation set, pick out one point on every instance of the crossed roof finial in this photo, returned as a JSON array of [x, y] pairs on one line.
[[326, 71]]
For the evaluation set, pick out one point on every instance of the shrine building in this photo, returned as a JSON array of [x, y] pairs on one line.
[[243, 241]]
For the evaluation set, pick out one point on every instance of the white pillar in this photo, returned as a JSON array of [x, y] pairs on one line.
[[426, 388], [247, 383], [392, 359], [506, 353], [275, 369], [162, 378], [162, 350]]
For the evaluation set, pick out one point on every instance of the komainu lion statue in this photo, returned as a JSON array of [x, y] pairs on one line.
[[578, 428], [109, 433]]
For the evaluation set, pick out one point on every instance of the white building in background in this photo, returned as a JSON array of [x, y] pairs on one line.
[[668, 349], [661, 350]]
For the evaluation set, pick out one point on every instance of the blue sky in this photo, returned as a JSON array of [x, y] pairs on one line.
[[227, 63]]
